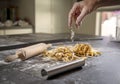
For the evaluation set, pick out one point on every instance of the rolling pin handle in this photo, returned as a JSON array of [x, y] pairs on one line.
[[11, 58]]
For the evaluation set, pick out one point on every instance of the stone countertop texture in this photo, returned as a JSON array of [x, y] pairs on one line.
[[104, 69]]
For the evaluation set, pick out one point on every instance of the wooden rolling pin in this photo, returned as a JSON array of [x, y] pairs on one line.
[[11, 58], [28, 52]]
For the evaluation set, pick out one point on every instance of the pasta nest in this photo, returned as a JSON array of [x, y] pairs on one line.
[[85, 50], [70, 53], [63, 53]]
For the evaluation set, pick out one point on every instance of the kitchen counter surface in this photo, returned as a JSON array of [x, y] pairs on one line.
[[16, 41], [104, 69]]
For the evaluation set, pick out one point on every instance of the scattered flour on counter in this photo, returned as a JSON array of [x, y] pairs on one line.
[[2, 62], [28, 67], [36, 65]]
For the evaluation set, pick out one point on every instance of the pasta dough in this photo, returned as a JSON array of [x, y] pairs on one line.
[[67, 53]]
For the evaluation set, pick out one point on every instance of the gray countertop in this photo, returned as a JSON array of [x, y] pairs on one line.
[[17, 41], [104, 69]]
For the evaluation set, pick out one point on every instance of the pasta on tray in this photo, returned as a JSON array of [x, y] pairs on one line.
[[70, 53]]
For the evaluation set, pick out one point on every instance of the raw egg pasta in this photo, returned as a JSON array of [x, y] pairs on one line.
[[85, 50], [70, 53]]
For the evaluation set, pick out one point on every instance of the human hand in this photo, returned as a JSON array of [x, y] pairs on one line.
[[80, 10]]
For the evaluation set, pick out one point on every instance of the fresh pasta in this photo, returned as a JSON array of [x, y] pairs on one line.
[[85, 50], [61, 53], [67, 53]]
